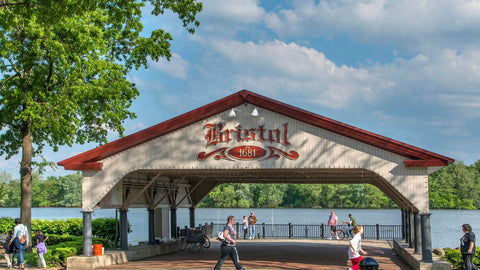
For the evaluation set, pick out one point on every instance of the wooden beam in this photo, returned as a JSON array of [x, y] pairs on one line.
[[188, 193], [169, 192], [128, 203]]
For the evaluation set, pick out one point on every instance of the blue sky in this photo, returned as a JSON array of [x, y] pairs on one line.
[[404, 69]]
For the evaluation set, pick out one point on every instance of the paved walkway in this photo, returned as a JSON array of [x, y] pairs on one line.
[[273, 254]]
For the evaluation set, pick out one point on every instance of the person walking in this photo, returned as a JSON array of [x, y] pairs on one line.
[[332, 222], [252, 220], [245, 227], [228, 246], [20, 240], [467, 247], [355, 247], [41, 248]]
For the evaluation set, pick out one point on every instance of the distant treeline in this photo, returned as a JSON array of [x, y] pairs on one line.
[[456, 186]]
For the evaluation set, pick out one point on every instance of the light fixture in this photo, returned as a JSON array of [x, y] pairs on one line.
[[255, 112], [232, 113]]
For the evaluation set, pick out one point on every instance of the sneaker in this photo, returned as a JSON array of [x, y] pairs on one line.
[[337, 238], [330, 238]]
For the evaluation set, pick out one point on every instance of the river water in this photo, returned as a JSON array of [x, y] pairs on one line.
[[445, 224]]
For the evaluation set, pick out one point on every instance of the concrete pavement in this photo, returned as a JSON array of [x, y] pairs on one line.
[[273, 254]]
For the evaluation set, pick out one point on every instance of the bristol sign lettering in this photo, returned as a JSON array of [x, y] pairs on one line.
[[217, 135]]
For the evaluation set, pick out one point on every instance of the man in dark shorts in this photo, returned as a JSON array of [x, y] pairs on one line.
[[332, 222]]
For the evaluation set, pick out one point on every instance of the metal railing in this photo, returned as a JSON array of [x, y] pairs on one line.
[[305, 231]]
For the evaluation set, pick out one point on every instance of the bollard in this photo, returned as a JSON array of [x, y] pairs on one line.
[[368, 263]]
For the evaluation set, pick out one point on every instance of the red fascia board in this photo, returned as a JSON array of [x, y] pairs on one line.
[[239, 98], [84, 166], [425, 163]]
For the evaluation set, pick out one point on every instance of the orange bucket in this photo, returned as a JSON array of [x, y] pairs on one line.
[[97, 249]]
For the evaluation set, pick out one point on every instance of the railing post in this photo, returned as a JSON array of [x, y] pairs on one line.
[[322, 231], [290, 230], [238, 227], [306, 231], [263, 229], [378, 231]]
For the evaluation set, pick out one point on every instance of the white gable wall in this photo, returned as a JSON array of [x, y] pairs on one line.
[[317, 148]]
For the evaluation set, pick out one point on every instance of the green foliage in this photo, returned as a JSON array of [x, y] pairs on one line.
[[454, 257], [296, 195], [65, 237], [105, 228], [456, 186], [6, 224], [71, 226]]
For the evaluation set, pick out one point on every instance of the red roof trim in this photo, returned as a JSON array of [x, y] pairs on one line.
[[425, 163], [83, 166], [82, 160]]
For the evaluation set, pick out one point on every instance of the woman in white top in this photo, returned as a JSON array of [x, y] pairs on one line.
[[19, 231], [355, 247]]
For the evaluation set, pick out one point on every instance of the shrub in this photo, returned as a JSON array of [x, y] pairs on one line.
[[65, 237], [455, 257]]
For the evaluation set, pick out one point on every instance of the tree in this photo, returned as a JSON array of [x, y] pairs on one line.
[[64, 66], [5, 177], [71, 186]]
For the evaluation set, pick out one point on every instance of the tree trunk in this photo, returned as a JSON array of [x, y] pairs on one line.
[[26, 179]]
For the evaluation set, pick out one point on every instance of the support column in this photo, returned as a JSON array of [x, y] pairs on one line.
[[407, 227], [173, 222], [404, 225], [426, 238], [87, 233], [151, 226], [192, 217], [412, 229], [418, 234], [162, 223], [123, 229]]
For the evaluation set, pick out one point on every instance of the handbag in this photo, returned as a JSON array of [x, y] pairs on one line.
[[23, 238]]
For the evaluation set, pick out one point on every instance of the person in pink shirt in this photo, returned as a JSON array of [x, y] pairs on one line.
[[332, 222]]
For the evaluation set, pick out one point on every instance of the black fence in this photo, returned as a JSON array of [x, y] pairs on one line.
[[322, 231]]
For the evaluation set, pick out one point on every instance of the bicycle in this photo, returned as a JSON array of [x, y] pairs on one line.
[[342, 232], [196, 239]]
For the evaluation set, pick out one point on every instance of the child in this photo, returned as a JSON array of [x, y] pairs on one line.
[[356, 247], [41, 248], [9, 249]]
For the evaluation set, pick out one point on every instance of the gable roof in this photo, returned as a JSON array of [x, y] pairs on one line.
[[90, 160]]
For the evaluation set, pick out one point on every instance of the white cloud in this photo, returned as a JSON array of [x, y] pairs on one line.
[[405, 23], [281, 67], [176, 67], [226, 17], [446, 79]]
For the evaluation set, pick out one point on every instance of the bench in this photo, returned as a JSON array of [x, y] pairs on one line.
[[3, 238]]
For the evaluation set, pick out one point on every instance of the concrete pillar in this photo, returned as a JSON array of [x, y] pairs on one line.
[[418, 234], [173, 222], [192, 217], [123, 229], [162, 223], [87, 233], [151, 226], [426, 238]]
